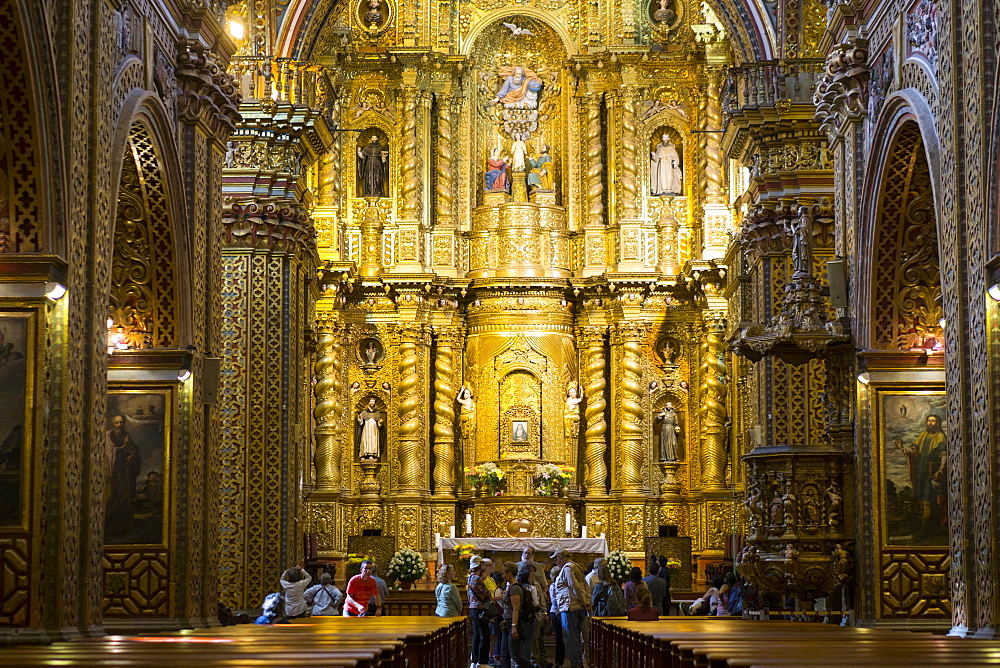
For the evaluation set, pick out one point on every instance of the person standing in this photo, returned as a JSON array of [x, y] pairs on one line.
[[632, 586], [361, 589], [540, 590], [383, 590], [479, 600], [573, 595], [554, 617], [518, 616], [657, 587], [294, 582], [449, 601], [664, 573], [325, 597]]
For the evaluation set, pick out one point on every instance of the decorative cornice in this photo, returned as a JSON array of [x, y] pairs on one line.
[[206, 93], [842, 94], [269, 226]]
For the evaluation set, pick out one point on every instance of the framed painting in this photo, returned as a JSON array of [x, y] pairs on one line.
[[16, 335], [914, 467], [137, 441]]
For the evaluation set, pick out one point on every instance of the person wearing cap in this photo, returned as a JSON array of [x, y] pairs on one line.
[[573, 600], [479, 599]]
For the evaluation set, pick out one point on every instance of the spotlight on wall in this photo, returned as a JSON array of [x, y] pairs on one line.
[[236, 29], [864, 378], [183, 375], [993, 278], [54, 291], [942, 323]]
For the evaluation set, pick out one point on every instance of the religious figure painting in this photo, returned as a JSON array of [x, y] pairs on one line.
[[14, 336], [915, 468], [373, 165], [136, 444], [519, 431]]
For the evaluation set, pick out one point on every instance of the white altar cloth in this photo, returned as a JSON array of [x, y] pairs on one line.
[[546, 545]]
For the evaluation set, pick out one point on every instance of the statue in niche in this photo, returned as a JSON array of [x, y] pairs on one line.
[[668, 349], [669, 429], [571, 416], [496, 172], [467, 420], [540, 177], [373, 17], [801, 248], [665, 174], [518, 151], [373, 168], [371, 353], [370, 431], [666, 14], [520, 89]]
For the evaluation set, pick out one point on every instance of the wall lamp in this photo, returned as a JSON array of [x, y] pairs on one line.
[[54, 291], [993, 278]]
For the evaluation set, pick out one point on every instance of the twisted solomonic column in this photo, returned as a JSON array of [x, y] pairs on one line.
[[329, 386], [594, 161], [444, 164], [409, 158], [448, 341], [630, 336], [409, 436], [595, 479], [628, 182], [713, 411], [712, 120]]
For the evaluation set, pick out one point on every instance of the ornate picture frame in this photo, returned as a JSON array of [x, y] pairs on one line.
[[17, 349]]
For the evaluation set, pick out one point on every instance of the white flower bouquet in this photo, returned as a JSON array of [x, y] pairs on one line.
[[407, 565], [619, 565]]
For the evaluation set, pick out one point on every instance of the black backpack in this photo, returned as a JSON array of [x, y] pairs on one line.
[[528, 607]]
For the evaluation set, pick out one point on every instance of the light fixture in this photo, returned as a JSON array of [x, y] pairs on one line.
[[994, 292], [942, 323], [183, 375], [236, 29], [993, 277], [54, 291], [864, 378]]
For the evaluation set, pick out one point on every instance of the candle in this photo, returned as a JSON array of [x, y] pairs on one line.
[[468, 523], [583, 531], [452, 529], [437, 539], [569, 523]]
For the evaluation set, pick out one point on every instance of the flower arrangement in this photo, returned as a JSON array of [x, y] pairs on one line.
[[407, 565], [487, 476], [549, 479], [619, 565], [673, 564], [353, 563]]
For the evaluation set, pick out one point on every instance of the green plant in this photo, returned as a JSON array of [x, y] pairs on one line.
[[619, 565], [407, 565]]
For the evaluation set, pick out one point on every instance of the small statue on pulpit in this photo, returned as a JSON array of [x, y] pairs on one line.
[[571, 416], [467, 420]]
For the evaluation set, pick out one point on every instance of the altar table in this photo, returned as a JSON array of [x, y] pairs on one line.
[[541, 545]]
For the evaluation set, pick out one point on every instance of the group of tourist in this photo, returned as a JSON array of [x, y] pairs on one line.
[[513, 610], [364, 596], [723, 599]]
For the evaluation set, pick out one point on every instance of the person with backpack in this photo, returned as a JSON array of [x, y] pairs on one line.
[[658, 589], [607, 599], [554, 617], [574, 598], [518, 617], [324, 597]]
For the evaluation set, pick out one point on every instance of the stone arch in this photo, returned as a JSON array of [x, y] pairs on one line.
[[898, 294], [149, 249]]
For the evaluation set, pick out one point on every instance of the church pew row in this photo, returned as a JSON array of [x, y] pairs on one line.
[[713, 642], [379, 642]]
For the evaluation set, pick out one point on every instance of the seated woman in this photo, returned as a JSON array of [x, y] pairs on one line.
[[708, 604], [644, 611]]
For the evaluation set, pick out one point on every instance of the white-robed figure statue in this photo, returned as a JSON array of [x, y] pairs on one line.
[[665, 174], [370, 431]]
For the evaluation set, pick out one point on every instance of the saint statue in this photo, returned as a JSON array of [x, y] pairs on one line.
[[801, 248], [518, 150], [541, 177], [496, 172], [370, 431], [665, 174], [571, 416], [373, 168], [669, 429], [373, 17], [520, 88], [371, 353], [467, 420]]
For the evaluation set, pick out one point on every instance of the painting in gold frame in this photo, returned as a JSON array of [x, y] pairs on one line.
[[137, 440], [16, 335], [913, 466]]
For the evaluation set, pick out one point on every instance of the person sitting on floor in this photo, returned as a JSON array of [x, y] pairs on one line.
[[644, 611]]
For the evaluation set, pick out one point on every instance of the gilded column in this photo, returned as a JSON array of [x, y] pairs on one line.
[[409, 435], [628, 188], [631, 413], [594, 161], [448, 340], [713, 407], [596, 474], [329, 386], [444, 163], [409, 158], [717, 217]]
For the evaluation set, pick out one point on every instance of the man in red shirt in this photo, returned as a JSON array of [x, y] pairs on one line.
[[360, 591]]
